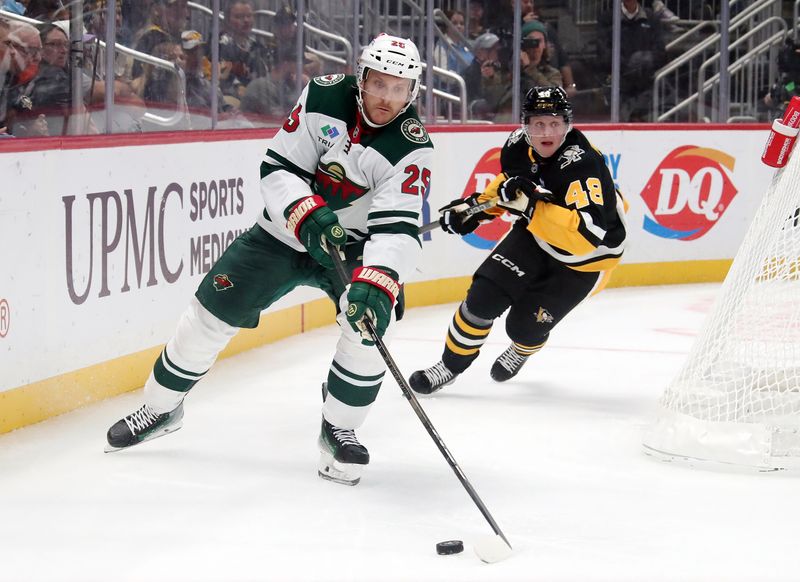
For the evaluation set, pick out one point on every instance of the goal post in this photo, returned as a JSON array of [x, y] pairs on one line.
[[737, 398]]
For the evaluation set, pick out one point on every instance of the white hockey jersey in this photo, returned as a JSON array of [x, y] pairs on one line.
[[373, 179]]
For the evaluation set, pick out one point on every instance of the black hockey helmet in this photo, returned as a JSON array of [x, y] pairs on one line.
[[546, 101]]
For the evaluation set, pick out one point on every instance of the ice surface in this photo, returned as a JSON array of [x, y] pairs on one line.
[[555, 454]]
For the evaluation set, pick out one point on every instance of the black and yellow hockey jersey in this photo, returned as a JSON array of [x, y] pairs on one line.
[[584, 224]]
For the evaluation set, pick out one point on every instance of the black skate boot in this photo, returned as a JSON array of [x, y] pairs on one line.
[[342, 457], [431, 379], [507, 365], [143, 425]]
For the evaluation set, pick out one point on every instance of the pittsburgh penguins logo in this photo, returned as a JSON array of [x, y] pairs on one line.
[[516, 136], [543, 316], [570, 155]]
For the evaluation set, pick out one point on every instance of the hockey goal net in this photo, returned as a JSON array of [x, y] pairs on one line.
[[737, 398]]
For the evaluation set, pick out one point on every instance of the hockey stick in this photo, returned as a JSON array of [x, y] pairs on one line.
[[467, 213], [491, 549]]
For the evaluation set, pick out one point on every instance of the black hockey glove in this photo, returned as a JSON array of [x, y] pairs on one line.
[[312, 223], [518, 195], [456, 219], [372, 294]]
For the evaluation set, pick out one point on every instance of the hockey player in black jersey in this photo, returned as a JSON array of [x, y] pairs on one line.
[[569, 235]]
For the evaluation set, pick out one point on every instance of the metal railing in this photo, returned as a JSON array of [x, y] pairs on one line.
[[749, 62], [682, 71], [162, 121]]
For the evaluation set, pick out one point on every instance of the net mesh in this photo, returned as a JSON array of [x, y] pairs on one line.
[[737, 398]]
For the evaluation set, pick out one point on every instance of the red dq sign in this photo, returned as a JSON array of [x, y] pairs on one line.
[[688, 192], [486, 235]]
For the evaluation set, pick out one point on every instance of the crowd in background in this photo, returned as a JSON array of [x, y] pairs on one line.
[[257, 75]]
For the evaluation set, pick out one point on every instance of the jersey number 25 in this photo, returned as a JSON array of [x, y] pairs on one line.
[[414, 175]]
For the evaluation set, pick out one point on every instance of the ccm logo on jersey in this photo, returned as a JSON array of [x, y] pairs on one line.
[[508, 264]]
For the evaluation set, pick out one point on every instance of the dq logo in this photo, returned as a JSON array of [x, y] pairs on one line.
[[486, 235], [688, 192]]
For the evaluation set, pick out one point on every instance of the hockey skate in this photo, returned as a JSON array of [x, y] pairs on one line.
[[507, 365], [431, 379], [342, 458], [143, 425]]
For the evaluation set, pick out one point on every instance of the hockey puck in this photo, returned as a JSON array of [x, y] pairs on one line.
[[449, 547]]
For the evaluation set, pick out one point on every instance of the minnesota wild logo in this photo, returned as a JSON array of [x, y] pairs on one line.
[[222, 282], [332, 183], [328, 79], [413, 130]]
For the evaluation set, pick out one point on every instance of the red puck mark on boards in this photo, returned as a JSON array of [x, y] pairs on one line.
[[5, 318]]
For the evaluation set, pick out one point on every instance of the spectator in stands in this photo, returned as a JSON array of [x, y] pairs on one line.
[[451, 53], [243, 57], [94, 15], [284, 27], [528, 11], [198, 85], [167, 21], [160, 86], [476, 22], [7, 54], [25, 67], [28, 44], [47, 10], [534, 68], [642, 53], [486, 78], [269, 96], [49, 93], [556, 55]]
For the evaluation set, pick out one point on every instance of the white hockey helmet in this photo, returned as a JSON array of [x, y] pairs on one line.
[[390, 55]]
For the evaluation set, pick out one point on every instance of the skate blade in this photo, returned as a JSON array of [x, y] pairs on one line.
[[434, 391], [109, 448], [343, 473]]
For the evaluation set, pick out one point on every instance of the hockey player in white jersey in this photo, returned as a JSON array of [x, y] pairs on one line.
[[350, 165]]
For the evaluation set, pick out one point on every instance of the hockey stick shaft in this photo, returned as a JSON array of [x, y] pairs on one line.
[[341, 270], [468, 212]]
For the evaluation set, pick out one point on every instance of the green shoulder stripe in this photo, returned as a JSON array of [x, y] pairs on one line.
[[267, 168], [334, 96]]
